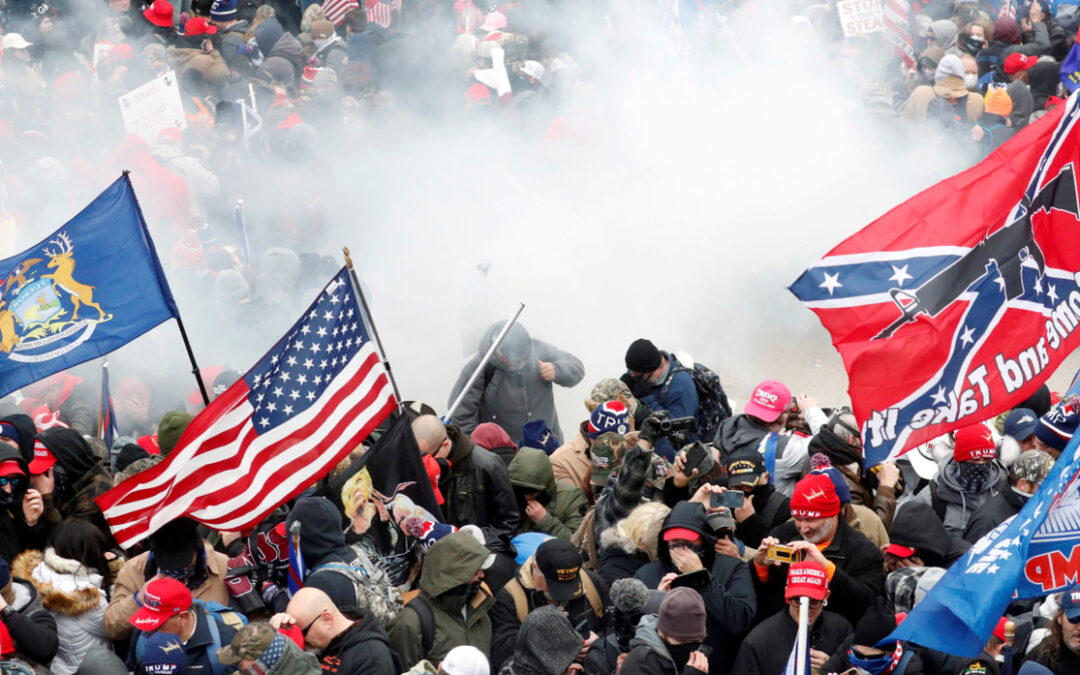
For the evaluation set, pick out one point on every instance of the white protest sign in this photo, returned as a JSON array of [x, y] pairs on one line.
[[152, 107], [860, 17]]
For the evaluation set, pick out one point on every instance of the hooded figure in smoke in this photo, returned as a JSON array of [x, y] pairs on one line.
[[516, 384]]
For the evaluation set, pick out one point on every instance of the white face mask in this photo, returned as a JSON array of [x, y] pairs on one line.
[[970, 80]]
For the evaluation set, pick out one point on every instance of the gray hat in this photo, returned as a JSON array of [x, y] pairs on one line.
[[546, 644], [1032, 466]]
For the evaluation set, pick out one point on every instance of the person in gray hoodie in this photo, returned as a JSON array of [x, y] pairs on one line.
[[669, 643], [967, 479]]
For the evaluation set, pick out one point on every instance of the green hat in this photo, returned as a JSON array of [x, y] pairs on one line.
[[607, 452], [168, 432], [249, 643]]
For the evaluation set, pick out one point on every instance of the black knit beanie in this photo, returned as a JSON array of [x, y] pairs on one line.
[[874, 626], [642, 356]]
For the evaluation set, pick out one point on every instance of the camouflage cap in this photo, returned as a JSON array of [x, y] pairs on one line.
[[611, 389], [249, 643], [607, 452], [1032, 466]]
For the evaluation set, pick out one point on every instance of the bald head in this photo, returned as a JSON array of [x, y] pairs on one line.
[[308, 603], [430, 433]]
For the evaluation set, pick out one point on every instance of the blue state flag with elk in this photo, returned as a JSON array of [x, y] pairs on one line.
[[87, 289]]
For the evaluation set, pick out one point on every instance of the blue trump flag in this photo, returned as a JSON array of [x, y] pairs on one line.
[[1032, 554], [1070, 69], [89, 288]]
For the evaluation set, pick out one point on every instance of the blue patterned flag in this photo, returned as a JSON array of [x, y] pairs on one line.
[[1032, 554], [89, 288]]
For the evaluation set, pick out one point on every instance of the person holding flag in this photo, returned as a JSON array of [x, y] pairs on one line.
[[765, 650]]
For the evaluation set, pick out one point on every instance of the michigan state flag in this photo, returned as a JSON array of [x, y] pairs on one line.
[[87, 289]]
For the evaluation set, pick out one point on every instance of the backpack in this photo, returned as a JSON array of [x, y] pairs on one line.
[[950, 117], [216, 613], [713, 406], [521, 602], [373, 590], [585, 540]]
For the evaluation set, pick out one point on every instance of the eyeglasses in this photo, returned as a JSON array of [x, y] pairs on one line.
[[14, 481], [305, 629]]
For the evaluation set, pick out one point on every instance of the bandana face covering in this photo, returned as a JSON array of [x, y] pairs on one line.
[[973, 477]]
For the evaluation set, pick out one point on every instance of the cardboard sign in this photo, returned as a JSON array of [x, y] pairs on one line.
[[860, 17], [152, 107]]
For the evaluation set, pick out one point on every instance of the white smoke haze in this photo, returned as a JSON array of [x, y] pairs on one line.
[[702, 184]]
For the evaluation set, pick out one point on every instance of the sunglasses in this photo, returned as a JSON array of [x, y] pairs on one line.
[[305, 629], [14, 481]]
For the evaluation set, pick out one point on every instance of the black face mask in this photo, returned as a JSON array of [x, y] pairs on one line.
[[973, 45], [681, 653]]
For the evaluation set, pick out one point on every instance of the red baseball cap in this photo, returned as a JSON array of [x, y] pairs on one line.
[[769, 400], [198, 26], [43, 459], [1017, 62], [681, 533], [161, 600], [900, 551], [975, 441], [806, 579], [11, 467]]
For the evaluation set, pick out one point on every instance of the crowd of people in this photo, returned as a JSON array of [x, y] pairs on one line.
[[662, 531], [597, 552]]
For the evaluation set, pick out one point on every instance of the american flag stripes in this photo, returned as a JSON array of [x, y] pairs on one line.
[[310, 401], [1008, 8], [382, 11], [335, 10], [898, 29]]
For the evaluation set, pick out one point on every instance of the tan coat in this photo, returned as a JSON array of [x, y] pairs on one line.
[[917, 104], [571, 464], [132, 578], [865, 521], [210, 65]]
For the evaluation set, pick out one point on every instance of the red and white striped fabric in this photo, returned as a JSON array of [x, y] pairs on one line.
[[898, 29], [1008, 8], [335, 10], [297, 413], [382, 11]]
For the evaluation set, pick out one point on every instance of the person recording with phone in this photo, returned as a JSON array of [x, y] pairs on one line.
[[688, 558]]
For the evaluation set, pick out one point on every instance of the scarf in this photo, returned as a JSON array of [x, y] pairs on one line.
[[971, 477], [879, 665]]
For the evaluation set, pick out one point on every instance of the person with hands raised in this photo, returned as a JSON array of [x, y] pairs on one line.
[[688, 546], [817, 533]]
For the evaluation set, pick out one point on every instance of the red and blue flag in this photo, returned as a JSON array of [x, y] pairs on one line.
[[960, 302]]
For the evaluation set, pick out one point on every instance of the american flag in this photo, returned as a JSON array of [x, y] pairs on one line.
[[335, 10], [382, 11], [300, 410], [898, 31], [1008, 8]]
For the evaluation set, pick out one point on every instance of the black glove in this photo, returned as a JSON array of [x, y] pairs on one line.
[[650, 428], [639, 386]]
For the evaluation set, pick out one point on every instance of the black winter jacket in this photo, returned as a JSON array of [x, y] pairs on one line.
[[729, 598], [650, 656], [766, 649], [917, 526], [858, 582], [32, 629], [363, 649], [478, 492], [504, 618], [15, 535], [993, 512]]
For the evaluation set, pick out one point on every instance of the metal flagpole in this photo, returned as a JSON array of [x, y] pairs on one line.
[[371, 323], [191, 357], [483, 362]]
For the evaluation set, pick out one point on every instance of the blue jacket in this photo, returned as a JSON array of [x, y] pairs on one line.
[[676, 394], [197, 647]]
